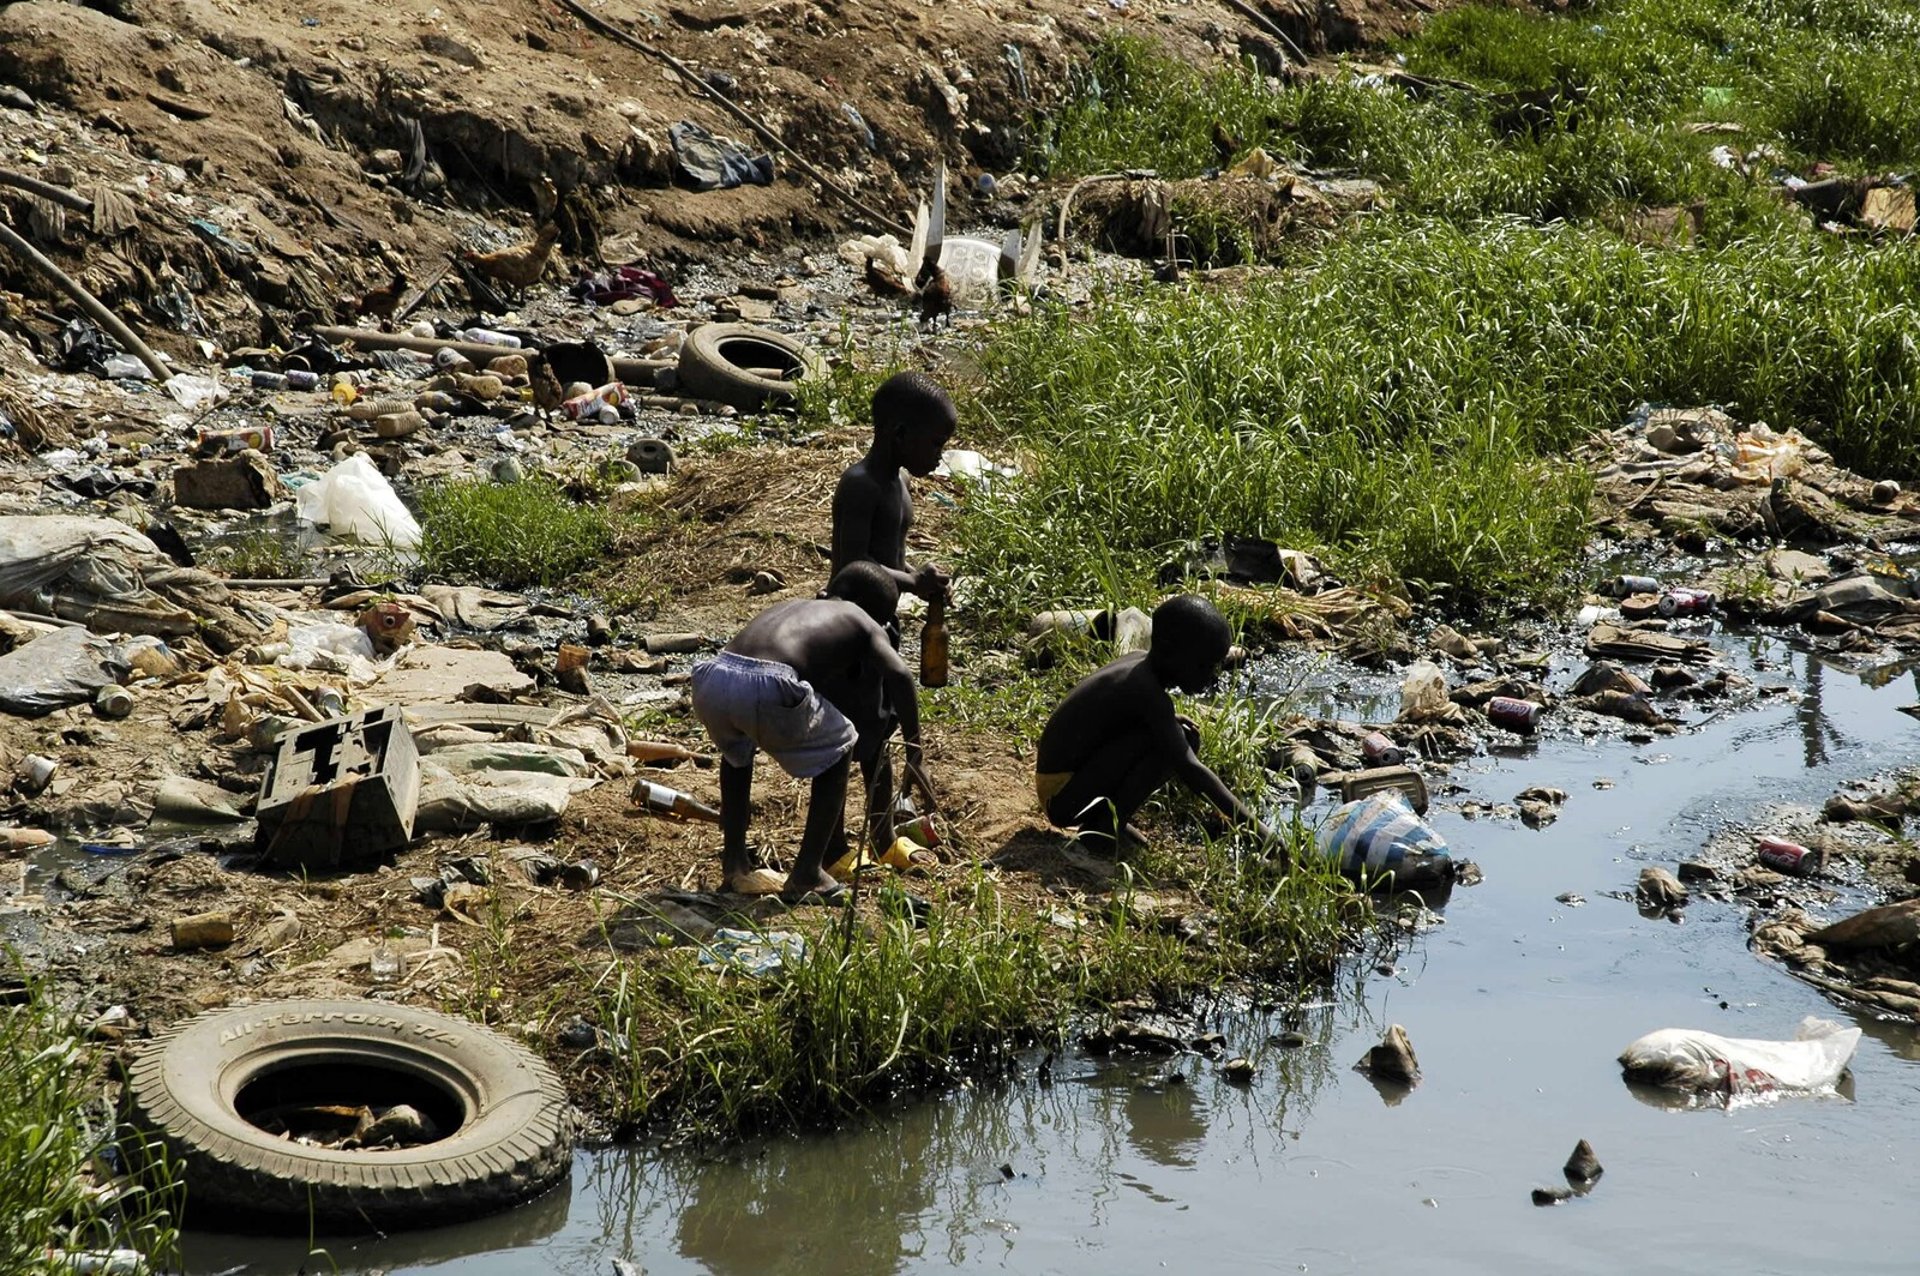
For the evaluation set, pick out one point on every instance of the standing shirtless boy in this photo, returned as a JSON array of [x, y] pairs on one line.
[[814, 682], [1116, 738], [913, 420]]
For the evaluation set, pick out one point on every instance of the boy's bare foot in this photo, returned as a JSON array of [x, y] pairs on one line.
[[821, 889]]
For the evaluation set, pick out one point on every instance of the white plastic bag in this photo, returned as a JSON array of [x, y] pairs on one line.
[[354, 499], [1424, 694], [329, 646], [1688, 1059]]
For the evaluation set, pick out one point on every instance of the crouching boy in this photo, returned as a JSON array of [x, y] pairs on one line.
[[1116, 738], [813, 682]]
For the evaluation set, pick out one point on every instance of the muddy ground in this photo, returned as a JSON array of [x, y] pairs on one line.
[[251, 142]]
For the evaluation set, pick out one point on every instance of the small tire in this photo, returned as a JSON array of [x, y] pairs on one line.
[[511, 1140], [717, 362]]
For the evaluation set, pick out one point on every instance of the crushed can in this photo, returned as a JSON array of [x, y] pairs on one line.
[[1380, 751], [1680, 601], [1790, 858], [1514, 714]]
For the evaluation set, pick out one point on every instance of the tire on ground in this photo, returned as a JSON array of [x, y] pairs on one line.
[[513, 1136], [730, 363]]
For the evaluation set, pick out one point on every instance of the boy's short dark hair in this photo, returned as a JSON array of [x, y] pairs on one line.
[[868, 586], [1188, 623], [908, 398]]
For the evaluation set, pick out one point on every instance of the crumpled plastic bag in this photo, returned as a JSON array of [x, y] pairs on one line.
[[460, 804], [751, 952], [354, 499], [1423, 696], [68, 666], [329, 646], [468, 758], [1379, 835], [1689, 1059]]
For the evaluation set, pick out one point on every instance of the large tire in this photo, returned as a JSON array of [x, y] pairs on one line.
[[716, 357], [513, 1140]]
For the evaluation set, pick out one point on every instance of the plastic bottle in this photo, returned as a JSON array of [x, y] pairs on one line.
[[671, 804], [329, 701], [488, 337], [933, 646], [268, 381]]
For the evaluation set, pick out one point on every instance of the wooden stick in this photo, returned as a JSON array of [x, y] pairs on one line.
[[622, 36], [86, 301]]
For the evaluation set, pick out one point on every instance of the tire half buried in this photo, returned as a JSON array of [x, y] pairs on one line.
[[503, 1124]]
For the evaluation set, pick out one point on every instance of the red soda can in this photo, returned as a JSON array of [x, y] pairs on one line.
[[1789, 857], [920, 828], [1381, 751], [1680, 601], [1514, 714]]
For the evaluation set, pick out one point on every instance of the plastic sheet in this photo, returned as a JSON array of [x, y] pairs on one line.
[[1380, 836], [1689, 1059]]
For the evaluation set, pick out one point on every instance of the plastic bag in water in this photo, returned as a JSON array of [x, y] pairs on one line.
[[354, 499], [1380, 836], [1689, 1059]]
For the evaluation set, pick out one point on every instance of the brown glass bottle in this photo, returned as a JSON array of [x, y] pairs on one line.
[[933, 645], [672, 804]]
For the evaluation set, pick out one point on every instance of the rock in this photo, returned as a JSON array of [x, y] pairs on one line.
[[1290, 1040], [1657, 888], [1889, 808], [243, 482], [765, 583], [1572, 899], [1885, 492], [1551, 1195], [1583, 1166], [1539, 805], [1238, 1071], [401, 1125], [579, 1035], [1627, 706], [1797, 566], [651, 456], [1393, 1059], [1605, 675], [1884, 927]]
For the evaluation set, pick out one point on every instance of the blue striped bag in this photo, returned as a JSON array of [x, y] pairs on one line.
[[1380, 836]]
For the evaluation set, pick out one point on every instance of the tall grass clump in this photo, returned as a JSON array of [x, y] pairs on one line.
[[1405, 403], [508, 534], [57, 1194], [867, 1014]]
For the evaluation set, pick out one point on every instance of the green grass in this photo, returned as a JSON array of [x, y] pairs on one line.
[[55, 1130], [508, 534], [1404, 403]]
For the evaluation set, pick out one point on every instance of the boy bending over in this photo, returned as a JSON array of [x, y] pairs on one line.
[[1116, 738], [814, 682]]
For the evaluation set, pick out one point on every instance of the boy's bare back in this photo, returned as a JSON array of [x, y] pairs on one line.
[[1118, 699]]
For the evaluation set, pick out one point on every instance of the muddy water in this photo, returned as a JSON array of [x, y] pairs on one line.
[[1517, 1006]]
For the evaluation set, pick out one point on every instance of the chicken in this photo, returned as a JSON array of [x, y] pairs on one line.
[[935, 292], [1225, 144], [884, 282], [520, 267], [547, 391], [378, 302]]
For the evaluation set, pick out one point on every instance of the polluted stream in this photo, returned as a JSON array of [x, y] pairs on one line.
[[1517, 1004]]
